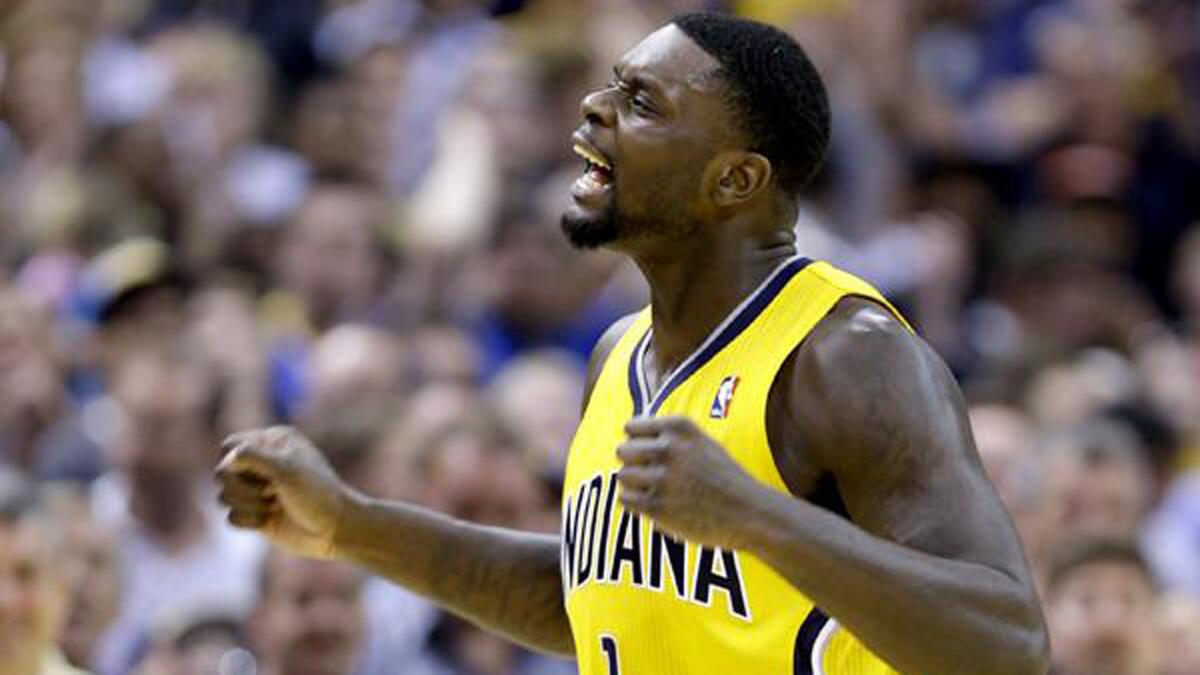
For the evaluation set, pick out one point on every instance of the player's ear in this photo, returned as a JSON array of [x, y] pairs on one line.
[[736, 177]]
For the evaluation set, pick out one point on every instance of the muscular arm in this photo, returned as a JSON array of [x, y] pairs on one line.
[[504, 580], [508, 581], [930, 574]]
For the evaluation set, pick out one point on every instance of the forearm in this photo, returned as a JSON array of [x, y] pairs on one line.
[[922, 613], [507, 581]]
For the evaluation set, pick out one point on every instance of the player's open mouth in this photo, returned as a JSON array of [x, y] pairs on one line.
[[598, 174]]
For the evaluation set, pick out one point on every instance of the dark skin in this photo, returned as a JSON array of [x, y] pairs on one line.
[[927, 572]]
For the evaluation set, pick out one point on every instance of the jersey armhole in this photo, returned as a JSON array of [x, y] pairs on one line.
[[868, 294], [620, 333]]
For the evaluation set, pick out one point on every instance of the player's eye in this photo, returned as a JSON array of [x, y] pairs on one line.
[[640, 104]]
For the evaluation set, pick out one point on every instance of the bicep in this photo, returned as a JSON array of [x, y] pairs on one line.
[[883, 414]]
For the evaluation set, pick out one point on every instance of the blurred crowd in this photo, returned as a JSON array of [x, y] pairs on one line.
[[343, 215]]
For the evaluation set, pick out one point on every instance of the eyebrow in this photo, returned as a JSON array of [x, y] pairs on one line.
[[636, 81]]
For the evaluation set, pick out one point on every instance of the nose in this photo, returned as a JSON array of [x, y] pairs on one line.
[[596, 108], [1110, 622], [331, 615]]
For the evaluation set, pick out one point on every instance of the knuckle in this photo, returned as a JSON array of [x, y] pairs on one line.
[[281, 437], [678, 423]]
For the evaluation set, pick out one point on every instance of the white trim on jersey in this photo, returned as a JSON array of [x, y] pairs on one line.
[[822, 645], [708, 340]]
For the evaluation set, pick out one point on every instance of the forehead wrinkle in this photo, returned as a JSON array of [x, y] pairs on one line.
[[670, 60], [707, 81]]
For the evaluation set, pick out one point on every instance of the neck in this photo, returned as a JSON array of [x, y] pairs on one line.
[[694, 287], [171, 517]]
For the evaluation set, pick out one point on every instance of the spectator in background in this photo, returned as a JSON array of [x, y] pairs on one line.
[[201, 641], [42, 101], [507, 495], [328, 269], [284, 29], [224, 334], [444, 353], [331, 255], [539, 396], [1100, 606], [1179, 621], [1004, 437], [400, 446], [1104, 478], [175, 550], [136, 296], [93, 573], [309, 619], [352, 364], [1006, 440], [459, 648], [543, 294], [32, 583], [350, 411], [40, 429]]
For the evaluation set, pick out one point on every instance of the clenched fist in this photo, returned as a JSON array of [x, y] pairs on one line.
[[676, 474], [275, 481]]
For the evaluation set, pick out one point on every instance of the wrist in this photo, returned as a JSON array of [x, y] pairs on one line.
[[759, 525], [352, 506], [741, 515]]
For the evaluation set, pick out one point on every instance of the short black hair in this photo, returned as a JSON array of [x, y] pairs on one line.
[[773, 88], [1091, 550]]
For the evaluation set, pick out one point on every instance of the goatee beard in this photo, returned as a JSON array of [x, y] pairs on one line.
[[589, 234]]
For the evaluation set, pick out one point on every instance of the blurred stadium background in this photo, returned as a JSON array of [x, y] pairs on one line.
[[343, 215]]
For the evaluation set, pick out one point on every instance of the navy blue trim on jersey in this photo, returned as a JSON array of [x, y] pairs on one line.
[[725, 333], [636, 385], [806, 641]]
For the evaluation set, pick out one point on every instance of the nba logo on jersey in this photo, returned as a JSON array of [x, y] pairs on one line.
[[724, 397]]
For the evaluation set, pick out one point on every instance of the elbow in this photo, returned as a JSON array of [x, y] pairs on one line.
[[1020, 642], [1025, 651], [1034, 651], [1031, 641]]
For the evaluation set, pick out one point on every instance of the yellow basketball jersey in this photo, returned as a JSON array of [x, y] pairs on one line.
[[642, 603]]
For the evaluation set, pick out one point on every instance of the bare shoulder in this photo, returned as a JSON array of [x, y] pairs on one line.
[[604, 346], [858, 377], [876, 407], [857, 329]]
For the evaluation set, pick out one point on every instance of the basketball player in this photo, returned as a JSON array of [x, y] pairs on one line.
[[772, 476]]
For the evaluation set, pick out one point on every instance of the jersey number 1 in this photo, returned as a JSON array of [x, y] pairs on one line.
[[608, 645]]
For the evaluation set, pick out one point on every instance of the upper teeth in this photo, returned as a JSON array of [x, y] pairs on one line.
[[591, 156]]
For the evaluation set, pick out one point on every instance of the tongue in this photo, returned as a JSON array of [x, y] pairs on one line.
[[600, 174]]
